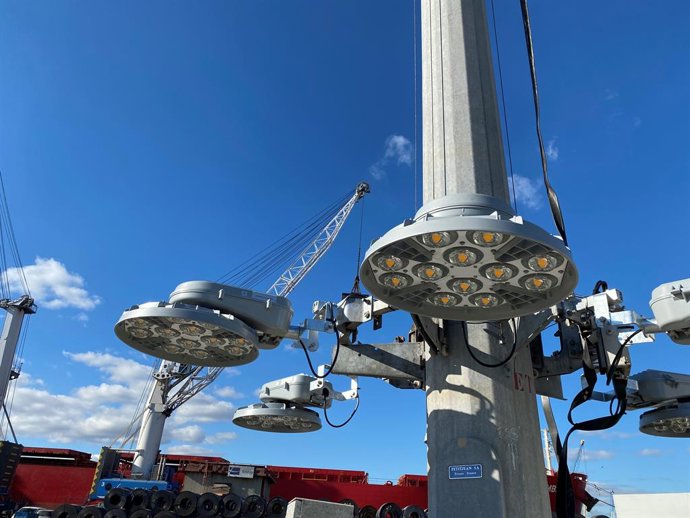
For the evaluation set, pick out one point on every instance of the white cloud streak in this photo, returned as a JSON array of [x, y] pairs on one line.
[[588, 455], [610, 95], [527, 191], [221, 437], [650, 452], [98, 413], [397, 150], [228, 393], [53, 286], [552, 150]]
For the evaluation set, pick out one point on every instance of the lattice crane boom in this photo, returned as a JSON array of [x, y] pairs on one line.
[[319, 246], [175, 383]]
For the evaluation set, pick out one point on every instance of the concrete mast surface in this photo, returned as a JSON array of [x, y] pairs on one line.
[[476, 415]]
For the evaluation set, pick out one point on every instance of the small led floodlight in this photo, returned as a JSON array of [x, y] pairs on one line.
[[670, 421], [277, 417], [188, 334], [282, 408], [469, 257]]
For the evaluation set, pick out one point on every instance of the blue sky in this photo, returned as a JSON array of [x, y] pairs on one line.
[[143, 145]]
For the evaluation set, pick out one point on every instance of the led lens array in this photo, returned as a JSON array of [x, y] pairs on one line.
[[277, 417], [679, 425], [466, 270], [198, 340]]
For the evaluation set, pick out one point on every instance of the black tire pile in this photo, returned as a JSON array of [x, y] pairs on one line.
[[142, 503], [388, 510]]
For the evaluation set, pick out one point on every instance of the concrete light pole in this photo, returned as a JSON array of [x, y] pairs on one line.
[[476, 415]]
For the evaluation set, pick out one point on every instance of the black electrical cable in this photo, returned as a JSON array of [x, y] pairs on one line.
[[565, 498], [619, 353], [600, 287], [325, 415], [551, 194], [503, 103], [355, 286], [425, 336], [335, 357], [485, 364]]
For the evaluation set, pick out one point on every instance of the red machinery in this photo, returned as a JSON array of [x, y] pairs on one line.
[[48, 477]]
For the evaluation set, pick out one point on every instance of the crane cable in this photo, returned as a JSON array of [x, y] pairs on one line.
[[553, 198], [276, 255], [7, 231]]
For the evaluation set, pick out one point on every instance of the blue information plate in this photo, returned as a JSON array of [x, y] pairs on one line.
[[465, 471]]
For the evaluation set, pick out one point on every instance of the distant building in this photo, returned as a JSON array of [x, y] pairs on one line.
[[666, 505]]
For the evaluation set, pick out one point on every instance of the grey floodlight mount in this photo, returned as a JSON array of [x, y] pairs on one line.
[[666, 394], [208, 324], [469, 257], [284, 401], [669, 392]]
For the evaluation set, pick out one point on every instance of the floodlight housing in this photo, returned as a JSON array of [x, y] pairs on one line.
[[469, 257], [269, 315], [277, 417], [669, 421], [670, 303], [300, 389], [652, 387], [188, 334]]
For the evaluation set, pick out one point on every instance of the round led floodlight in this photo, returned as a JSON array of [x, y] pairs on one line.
[[469, 257], [277, 417], [671, 421], [188, 334]]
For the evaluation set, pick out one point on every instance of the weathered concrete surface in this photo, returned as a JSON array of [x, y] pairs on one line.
[[476, 415], [305, 508]]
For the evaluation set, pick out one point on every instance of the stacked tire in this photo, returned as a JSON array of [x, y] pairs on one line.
[[142, 503]]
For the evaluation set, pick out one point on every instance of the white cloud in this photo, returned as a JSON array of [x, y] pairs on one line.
[[650, 452], [221, 437], [187, 434], [637, 122], [82, 317], [609, 94], [203, 408], [53, 286], [114, 368], [597, 454], [552, 150], [98, 413], [398, 150], [189, 449], [377, 172], [527, 191], [228, 393], [588, 455]]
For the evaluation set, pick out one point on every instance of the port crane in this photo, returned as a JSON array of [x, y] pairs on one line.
[[16, 308], [176, 383]]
